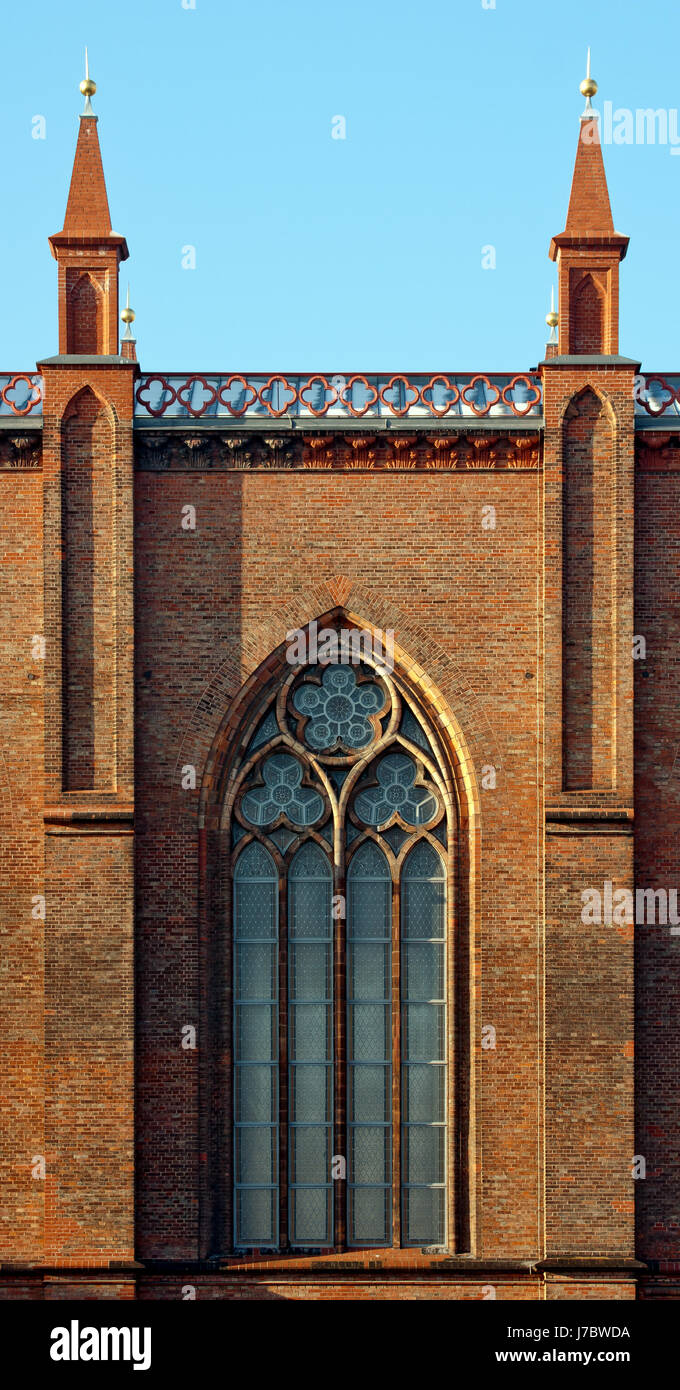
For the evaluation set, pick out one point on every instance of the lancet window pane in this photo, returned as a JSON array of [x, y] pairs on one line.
[[256, 1138], [310, 1047], [392, 943], [369, 1044], [423, 989]]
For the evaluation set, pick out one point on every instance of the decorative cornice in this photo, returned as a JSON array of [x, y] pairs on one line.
[[657, 452], [176, 451], [21, 452]]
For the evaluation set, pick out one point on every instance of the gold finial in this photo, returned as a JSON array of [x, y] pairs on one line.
[[128, 315], [552, 319], [88, 88], [588, 86]]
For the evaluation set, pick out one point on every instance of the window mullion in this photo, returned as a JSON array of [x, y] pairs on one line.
[[340, 1048], [396, 1064], [283, 1064]]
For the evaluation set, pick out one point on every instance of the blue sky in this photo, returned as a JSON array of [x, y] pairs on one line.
[[314, 253]]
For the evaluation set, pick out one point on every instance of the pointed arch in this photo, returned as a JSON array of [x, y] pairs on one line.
[[87, 583], [588, 662], [378, 1211], [429, 706], [85, 315], [587, 316]]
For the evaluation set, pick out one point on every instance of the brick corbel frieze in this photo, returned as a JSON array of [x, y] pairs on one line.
[[21, 452], [460, 451], [657, 452]]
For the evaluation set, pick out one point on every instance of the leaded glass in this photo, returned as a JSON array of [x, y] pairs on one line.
[[310, 1046], [395, 998], [283, 837], [370, 1097], [337, 710], [424, 1092], [255, 1029], [282, 795], [413, 731], [254, 1094], [266, 729], [396, 794], [369, 1008], [311, 1215], [424, 1215], [310, 1095], [370, 1215], [423, 1046], [256, 1216]]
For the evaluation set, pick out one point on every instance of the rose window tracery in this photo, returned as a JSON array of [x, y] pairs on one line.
[[338, 710]]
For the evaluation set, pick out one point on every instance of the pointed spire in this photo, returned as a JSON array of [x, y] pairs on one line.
[[589, 250], [589, 216], [87, 209], [589, 206], [87, 249]]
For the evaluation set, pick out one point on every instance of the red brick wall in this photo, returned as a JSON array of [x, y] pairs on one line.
[[589, 810], [587, 311], [657, 854], [88, 813], [85, 312], [589, 1028], [21, 868], [588, 536], [266, 556], [87, 576], [89, 1042]]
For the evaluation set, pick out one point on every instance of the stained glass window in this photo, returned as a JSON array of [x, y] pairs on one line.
[[423, 1054], [282, 794], [339, 973], [256, 1048], [310, 1046], [396, 794], [369, 1046], [337, 709]]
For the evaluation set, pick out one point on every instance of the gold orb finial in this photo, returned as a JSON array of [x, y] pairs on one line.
[[127, 315], [588, 87], [88, 86], [552, 317]]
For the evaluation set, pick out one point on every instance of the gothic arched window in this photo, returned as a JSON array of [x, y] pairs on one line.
[[341, 845]]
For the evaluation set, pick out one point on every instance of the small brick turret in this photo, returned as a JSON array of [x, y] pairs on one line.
[[588, 253]]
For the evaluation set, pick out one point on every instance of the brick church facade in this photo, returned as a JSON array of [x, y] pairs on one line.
[[328, 701]]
